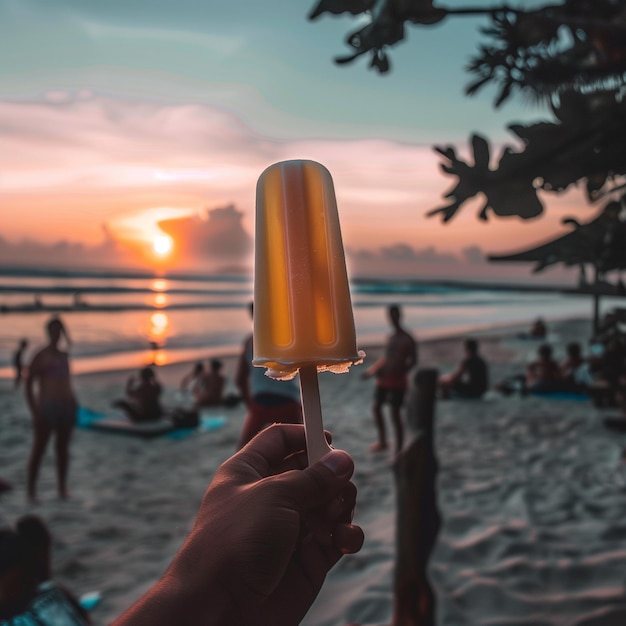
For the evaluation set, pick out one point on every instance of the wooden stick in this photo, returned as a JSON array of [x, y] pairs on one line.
[[316, 444]]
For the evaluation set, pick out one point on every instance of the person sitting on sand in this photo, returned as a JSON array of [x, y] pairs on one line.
[[538, 330], [470, 379], [391, 372], [575, 371], [53, 407], [142, 403], [210, 388], [268, 531], [543, 374], [192, 378], [27, 593]]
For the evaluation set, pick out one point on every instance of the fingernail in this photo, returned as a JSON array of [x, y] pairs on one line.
[[339, 463]]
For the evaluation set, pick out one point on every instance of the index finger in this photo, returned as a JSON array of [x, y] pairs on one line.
[[268, 450]]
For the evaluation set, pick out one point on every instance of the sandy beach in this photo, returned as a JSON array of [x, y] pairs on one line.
[[532, 493]]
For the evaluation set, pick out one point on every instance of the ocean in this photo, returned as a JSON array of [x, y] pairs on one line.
[[123, 320]]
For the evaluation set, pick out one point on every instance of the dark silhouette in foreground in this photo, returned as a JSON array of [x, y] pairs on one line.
[[28, 594]]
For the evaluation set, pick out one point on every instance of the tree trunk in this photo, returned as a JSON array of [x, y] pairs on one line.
[[417, 520]]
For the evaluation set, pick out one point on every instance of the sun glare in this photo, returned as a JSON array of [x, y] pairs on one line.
[[162, 245]]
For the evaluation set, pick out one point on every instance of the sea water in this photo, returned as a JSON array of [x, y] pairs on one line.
[[125, 320]]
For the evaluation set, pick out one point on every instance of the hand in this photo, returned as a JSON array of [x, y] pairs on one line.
[[274, 527], [267, 533]]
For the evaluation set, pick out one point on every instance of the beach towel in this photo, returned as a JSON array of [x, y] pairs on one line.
[[561, 395], [116, 423], [144, 430]]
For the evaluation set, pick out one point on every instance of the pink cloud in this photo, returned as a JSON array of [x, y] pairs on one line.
[[71, 164]]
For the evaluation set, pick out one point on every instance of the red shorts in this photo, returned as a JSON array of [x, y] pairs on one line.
[[259, 416]]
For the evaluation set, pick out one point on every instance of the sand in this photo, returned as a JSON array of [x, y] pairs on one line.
[[532, 493]]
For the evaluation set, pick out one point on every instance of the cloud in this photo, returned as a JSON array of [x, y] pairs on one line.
[[473, 255], [220, 236], [70, 164], [402, 260], [405, 253], [109, 253]]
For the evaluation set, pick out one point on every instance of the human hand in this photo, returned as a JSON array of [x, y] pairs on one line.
[[268, 531]]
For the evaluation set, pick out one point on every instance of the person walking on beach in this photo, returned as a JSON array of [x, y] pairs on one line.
[[471, 377], [53, 407], [391, 372], [268, 400], [18, 362]]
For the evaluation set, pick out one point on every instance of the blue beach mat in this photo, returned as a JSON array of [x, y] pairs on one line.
[[207, 423], [86, 417], [561, 395], [94, 420], [119, 425]]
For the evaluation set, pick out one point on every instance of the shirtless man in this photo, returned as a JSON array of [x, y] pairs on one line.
[[391, 373]]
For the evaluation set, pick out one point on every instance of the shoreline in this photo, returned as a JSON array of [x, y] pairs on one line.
[[124, 362]]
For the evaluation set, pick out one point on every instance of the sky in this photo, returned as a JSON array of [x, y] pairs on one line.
[[126, 125]]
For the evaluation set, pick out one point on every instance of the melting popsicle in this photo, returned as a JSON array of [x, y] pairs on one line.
[[303, 318]]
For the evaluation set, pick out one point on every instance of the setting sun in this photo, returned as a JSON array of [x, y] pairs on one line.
[[162, 245]]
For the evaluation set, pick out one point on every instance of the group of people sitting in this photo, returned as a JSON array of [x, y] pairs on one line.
[[143, 398], [546, 375]]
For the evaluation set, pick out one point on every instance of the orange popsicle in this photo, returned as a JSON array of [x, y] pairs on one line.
[[303, 317]]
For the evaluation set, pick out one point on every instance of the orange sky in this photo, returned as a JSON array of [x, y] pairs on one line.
[[96, 170]]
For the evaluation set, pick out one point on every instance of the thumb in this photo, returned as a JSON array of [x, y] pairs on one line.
[[318, 483]]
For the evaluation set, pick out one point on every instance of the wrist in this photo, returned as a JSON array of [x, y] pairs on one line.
[[171, 601], [196, 589]]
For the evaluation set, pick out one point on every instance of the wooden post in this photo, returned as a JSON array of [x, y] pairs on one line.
[[418, 519]]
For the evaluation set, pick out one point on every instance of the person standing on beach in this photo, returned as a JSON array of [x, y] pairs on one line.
[[391, 372], [268, 400], [53, 407], [18, 361]]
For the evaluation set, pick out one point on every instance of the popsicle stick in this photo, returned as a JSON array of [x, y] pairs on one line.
[[316, 444]]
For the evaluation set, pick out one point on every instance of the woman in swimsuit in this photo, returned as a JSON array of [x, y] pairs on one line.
[[53, 407]]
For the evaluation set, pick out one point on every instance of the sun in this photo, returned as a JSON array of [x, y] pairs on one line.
[[162, 245]]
